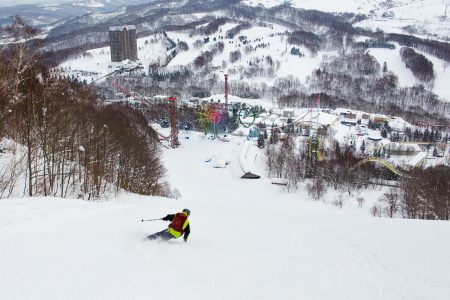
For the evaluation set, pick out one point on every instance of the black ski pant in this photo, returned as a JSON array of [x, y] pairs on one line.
[[164, 235]]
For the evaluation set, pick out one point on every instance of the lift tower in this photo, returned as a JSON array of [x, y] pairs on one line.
[[174, 143]]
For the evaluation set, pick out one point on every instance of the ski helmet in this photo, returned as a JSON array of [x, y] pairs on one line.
[[187, 211]]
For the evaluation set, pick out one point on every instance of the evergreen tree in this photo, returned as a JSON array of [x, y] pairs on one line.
[[435, 153], [353, 145], [385, 69], [164, 122], [290, 127], [437, 136], [375, 153], [273, 136], [261, 141], [363, 147], [416, 135], [408, 134], [337, 150], [393, 137], [426, 135]]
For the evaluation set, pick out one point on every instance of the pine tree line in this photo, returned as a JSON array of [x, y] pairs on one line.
[[418, 135]]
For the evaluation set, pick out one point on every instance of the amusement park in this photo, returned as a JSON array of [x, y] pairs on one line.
[[389, 145]]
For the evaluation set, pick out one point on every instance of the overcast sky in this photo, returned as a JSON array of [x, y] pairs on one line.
[[17, 2]]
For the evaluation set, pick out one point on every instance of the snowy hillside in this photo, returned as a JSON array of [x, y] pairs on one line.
[[257, 45], [152, 50], [423, 17], [406, 77], [249, 240], [97, 63]]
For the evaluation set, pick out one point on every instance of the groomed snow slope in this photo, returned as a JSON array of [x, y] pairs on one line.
[[250, 240]]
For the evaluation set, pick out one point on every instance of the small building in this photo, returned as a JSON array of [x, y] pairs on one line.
[[397, 125], [276, 111], [380, 119], [323, 120], [253, 133], [350, 116], [250, 175], [375, 138], [288, 113], [349, 122], [158, 99]]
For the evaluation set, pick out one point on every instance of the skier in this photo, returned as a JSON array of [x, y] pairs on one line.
[[179, 225]]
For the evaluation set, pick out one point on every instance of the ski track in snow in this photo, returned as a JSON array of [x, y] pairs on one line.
[[249, 240], [373, 269]]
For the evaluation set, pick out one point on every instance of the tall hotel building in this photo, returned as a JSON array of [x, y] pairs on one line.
[[122, 40]]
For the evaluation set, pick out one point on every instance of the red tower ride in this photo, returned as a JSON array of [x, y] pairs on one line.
[[173, 122], [226, 90]]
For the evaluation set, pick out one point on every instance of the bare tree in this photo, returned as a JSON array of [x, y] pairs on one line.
[[391, 201]]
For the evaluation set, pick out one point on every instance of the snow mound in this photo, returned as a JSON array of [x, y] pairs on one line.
[[219, 163]]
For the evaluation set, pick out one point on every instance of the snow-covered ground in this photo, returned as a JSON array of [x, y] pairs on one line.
[[249, 240], [426, 17], [96, 63], [153, 49], [331, 6], [406, 77]]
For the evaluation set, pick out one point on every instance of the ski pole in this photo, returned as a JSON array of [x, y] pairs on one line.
[[150, 220]]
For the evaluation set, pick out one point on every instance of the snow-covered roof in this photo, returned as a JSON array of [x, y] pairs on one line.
[[410, 147], [348, 121], [408, 160], [160, 97], [398, 124], [281, 121], [323, 119], [277, 111], [120, 28], [327, 119], [375, 137]]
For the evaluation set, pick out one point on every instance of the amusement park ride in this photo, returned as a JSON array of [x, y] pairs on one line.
[[214, 116], [174, 143]]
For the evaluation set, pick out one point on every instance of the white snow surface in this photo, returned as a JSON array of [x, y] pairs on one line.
[[249, 239], [426, 17], [90, 3], [96, 63]]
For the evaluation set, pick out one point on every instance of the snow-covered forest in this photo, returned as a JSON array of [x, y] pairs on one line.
[[63, 140]]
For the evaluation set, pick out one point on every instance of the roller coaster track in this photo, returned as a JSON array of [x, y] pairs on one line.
[[138, 98], [381, 161]]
